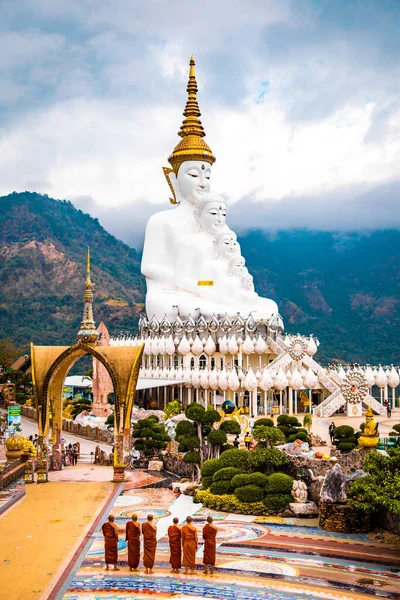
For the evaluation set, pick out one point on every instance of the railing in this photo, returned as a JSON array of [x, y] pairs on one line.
[[11, 473]]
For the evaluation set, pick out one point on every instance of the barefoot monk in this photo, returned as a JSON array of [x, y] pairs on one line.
[[149, 531], [210, 545], [133, 539], [175, 536], [110, 532], [189, 545]]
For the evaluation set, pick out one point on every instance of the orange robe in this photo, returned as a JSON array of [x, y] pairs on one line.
[[110, 532], [210, 544], [189, 544], [150, 544], [175, 535], [133, 539]]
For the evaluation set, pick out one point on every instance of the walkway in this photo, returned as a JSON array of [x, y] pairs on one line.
[[258, 558], [40, 535]]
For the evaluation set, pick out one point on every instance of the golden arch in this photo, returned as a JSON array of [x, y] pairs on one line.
[[50, 365]]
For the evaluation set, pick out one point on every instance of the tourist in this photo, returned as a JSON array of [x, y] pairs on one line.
[[74, 454], [389, 410], [149, 531], [236, 442], [110, 532], [210, 545], [189, 544], [132, 531], [175, 545], [251, 424], [36, 440], [247, 440], [331, 430], [31, 438]]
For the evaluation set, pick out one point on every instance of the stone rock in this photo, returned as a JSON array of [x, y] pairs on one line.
[[287, 513], [306, 509], [155, 465], [299, 491], [334, 486]]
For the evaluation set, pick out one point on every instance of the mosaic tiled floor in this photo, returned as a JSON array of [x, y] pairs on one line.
[[275, 559]]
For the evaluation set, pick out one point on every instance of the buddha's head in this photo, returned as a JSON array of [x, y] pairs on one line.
[[247, 282], [210, 213], [227, 245], [237, 267]]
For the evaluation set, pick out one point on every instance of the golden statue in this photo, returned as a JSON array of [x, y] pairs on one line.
[[370, 436]]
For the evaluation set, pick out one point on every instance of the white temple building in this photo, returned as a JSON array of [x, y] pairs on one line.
[[208, 337]]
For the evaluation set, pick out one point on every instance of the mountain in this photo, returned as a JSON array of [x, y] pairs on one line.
[[344, 288], [43, 249]]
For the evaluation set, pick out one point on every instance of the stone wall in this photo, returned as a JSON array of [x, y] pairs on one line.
[[349, 461], [178, 467], [91, 433], [343, 519]]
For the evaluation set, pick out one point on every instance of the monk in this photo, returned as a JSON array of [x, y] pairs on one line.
[[189, 544], [149, 531], [175, 536], [210, 545], [110, 532], [133, 539]]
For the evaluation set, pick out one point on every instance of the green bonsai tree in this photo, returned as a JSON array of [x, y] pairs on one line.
[[150, 437], [232, 427], [203, 422], [266, 460], [344, 438], [268, 436], [307, 422]]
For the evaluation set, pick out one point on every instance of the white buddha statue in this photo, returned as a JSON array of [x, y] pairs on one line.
[[180, 243]]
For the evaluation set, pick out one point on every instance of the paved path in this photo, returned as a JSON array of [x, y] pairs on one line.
[[259, 558], [41, 533]]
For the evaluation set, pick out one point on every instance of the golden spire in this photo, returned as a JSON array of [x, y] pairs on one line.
[[87, 332], [192, 146]]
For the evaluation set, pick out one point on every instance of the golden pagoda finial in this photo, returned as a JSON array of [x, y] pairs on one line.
[[192, 146], [87, 332]]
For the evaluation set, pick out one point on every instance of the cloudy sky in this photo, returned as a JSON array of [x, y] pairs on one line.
[[300, 101]]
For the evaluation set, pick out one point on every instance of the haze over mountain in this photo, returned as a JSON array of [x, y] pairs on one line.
[[344, 288]]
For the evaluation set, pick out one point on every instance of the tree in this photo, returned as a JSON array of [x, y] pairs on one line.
[[380, 490], [9, 352], [203, 421], [307, 422], [150, 437], [267, 460], [268, 436], [110, 421], [344, 438], [217, 438], [173, 408], [232, 427]]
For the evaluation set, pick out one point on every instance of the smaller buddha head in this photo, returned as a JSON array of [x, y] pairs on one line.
[[226, 245], [237, 267], [210, 213], [247, 282]]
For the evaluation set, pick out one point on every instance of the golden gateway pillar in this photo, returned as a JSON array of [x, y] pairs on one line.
[[50, 365]]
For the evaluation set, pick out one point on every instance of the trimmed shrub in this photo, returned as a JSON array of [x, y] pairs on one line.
[[209, 467], [343, 431], [249, 493], [346, 446], [293, 422], [211, 416], [206, 481], [268, 435], [228, 503], [226, 447], [217, 438], [264, 423], [267, 459], [301, 435], [188, 443], [154, 418], [282, 419], [226, 473], [279, 483], [397, 428], [230, 427], [184, 428], [394, 433], [241, 480], [277, 501], [235, 458], [259, 479], [192, 458], [285, 429], [221, 487]]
